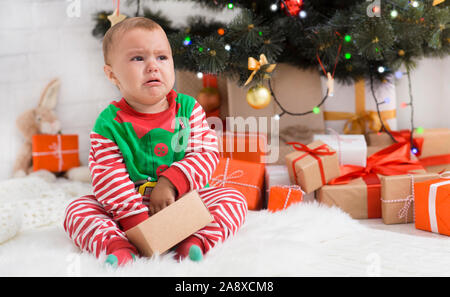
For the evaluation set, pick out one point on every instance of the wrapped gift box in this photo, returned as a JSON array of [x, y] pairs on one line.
[[312, 166], [357, 190], [432, 205], [170, 226], [360, 198], [56, 153], [351, 149], [281, 197], [246, 177], [397, 200], [244, 146], [433, 146], [373, 149], [278, 175], [352, 109]]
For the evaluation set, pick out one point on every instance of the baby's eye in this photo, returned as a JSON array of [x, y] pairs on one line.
[[137, 58], [162, 57]]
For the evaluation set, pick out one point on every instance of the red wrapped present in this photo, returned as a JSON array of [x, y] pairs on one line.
[[246, 177], [432, 205], [282, 196], [245, 146], [56, 153]]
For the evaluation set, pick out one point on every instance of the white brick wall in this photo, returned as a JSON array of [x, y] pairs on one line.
[[39, 42]]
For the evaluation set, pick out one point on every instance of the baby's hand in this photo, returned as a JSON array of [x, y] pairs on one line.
[[162, 195]]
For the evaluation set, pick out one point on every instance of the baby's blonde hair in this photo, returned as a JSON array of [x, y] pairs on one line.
[[122, 27]]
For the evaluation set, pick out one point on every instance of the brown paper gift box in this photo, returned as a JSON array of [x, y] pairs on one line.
[[352, 198], [170, 226], [396, 190], [307, 168]]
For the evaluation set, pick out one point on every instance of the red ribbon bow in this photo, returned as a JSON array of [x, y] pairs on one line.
[[393, 160], [315, 153], [403, 136]]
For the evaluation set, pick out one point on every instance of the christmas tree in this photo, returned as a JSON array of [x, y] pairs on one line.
[[351, 39]]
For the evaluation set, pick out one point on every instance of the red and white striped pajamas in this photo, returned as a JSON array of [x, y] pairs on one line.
[[96, 223]]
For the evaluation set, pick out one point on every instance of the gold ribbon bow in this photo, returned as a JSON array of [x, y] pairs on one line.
[[255, 65], [356, 122]]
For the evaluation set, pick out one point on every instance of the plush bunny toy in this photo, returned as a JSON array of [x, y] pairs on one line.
[[39, 120]]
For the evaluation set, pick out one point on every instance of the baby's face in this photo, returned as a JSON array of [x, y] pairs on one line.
[[142, 66]]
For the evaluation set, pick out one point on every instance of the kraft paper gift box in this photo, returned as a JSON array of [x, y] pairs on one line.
[[168, 227], [352, 108], [359, 198], [56, 153], [297, 133], [397, 199], [373, 149], [312, 166], [432, 206], [246, 177], [433, 146], [358, 190], [351, 149], [245, 146], [281, 197]]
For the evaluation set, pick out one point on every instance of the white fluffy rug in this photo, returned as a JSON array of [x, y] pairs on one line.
[[305, 240]]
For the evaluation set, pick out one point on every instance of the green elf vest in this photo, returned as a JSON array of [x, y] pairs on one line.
[[149, 143]]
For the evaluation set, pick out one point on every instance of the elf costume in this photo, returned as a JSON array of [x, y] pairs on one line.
[[129, 151]]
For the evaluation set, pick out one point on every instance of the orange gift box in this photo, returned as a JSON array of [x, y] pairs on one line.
[[432, 205], [246, 177], [281, 197], [244, 146], [55, 153]]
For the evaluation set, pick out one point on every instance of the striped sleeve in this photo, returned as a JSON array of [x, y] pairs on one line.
[[194, 171], [112, 185]]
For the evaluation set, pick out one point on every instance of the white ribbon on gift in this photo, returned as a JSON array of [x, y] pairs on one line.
[[432, 200], [56, 149]]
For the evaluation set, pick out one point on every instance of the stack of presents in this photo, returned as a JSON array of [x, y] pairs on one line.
[[340, 159], [398, 178]]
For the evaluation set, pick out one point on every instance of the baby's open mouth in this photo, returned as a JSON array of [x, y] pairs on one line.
[[153, 81]]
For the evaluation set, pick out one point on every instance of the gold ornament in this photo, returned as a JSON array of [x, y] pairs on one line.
[[255, 65], [258, 97], [116, 17], [436, 2], [401, 53]]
